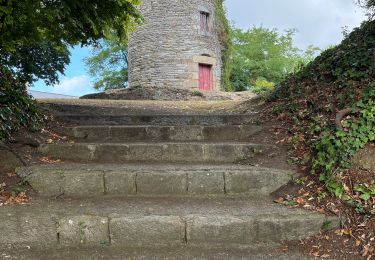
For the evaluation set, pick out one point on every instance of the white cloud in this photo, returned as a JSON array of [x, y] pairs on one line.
[[75, 86], [319, 22]]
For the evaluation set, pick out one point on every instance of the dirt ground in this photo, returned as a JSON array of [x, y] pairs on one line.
[[168, 93], [149, 107]]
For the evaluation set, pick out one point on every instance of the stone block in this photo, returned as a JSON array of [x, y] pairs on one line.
[[206, 183], [8, 161], [276, 229], [205, 60], [220, 230], [83, 231], [83, 183], [145, 152], [180, 152], [34, 230], [214, 133], [255, 181], [47, 183], [73, 152], [91, 133], [222, 153], [365, 158], [160, 183], [147, 231], [127, 133], [186, 133], [111, 153], [160, 133], [120, 183], [52, 182]]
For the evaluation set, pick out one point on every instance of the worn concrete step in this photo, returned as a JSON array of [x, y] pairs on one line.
[[80, 180], [204, 119], [178, 253], [154, 223], [162, 133], [156, 152]]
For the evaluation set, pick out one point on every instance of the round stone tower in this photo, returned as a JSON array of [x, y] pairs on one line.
[[177, 46]]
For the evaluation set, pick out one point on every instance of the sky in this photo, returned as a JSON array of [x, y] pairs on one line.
[[318, 22]]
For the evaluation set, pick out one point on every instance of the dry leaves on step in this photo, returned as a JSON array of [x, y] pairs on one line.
[[48, 160], [8, 199]]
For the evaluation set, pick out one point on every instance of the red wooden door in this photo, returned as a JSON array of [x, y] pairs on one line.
[[205, 77]]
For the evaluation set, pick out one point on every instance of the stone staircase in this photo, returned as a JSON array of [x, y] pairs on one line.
[[142, 183]]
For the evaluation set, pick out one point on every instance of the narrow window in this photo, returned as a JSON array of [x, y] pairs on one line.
[[205, 21]]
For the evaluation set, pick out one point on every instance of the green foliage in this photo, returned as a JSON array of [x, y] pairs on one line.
[[109, 64], [25, 22], [197, 93], [39, 61], [351, 60], [225, 37], [35, 35], [34, 39], [336, 147], [263, 86], [341, 77], [369, 5], [261, 52], [17, 109]]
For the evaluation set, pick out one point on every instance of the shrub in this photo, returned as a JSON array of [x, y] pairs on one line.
[[263, 86], [17, 108], [197, 93]]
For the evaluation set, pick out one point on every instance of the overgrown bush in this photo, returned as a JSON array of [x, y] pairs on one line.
[[263, 86], [341, 77], [17, 108]]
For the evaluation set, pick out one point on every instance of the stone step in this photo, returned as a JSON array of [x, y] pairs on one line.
[[108, 119], [155, 152], [178, 253], [80, 180], [154, 223], [163, 133]]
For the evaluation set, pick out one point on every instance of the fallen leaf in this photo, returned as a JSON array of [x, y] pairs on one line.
[[300, 201], [21, 198], [347, 231], [280, 200], [48, 160]]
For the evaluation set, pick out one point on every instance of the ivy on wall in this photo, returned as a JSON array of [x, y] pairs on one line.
[[224, 32]]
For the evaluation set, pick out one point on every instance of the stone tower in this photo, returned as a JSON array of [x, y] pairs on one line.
[[177, 46]]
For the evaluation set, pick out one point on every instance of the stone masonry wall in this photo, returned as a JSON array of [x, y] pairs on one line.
[[166, 50]]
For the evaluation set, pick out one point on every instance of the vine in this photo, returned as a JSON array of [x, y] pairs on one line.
[[225, 38], [341, 79], [335, 149]]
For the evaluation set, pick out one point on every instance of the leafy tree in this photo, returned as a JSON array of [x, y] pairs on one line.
[[34, 39], [109, 64], [30, 29], [369, 5], [265, 54]]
